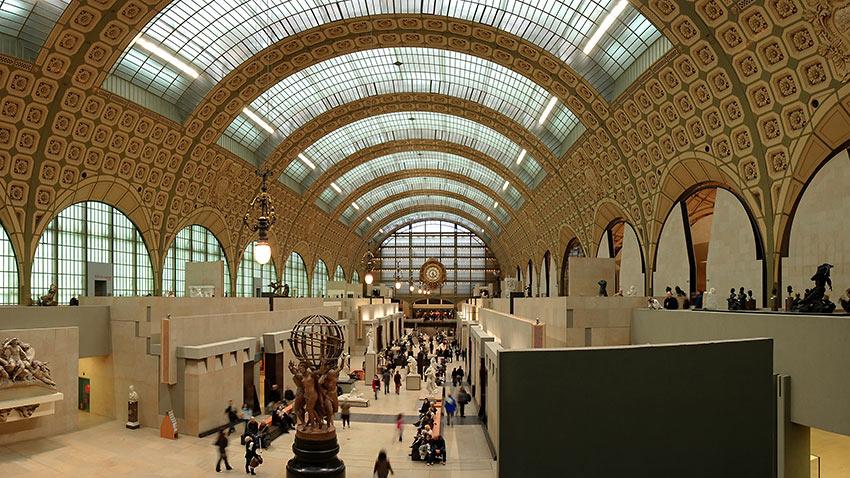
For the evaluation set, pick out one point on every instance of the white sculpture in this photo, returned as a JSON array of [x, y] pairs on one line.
[[370, 345], [411, 365], [710, 299], [133, 396], [653, 303], [18, 364], [431, 380], [632, 291], [346, 366]]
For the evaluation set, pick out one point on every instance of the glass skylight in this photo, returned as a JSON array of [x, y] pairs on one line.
[[410, 160], [419, 201], [28, 22], [216, 36], [422, 183], [307, 94], [395, 224], [349, 139]]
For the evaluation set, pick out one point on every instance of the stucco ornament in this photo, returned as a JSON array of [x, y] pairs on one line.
[[831, 22]]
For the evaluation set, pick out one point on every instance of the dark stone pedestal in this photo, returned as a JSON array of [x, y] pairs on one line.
[[315, 456]]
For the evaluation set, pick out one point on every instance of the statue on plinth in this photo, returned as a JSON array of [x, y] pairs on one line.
[[732, 301], [845, 303], [815, 299], [411, 365], [603, 288], [430, 381], [370, 342], [317, 343], [632, 291], [49, 299], [133, 409], [20, 369], [708, 299]]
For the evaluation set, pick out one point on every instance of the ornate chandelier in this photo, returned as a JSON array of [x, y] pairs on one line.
[[262, 206], [368, 263]]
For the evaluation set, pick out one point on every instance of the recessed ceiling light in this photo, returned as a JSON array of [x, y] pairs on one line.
[[606, 24], [520, 158], [168, 57], [306, 161], [356, 207], [548, 110], [336, 188], [258, 120], [505, 186]]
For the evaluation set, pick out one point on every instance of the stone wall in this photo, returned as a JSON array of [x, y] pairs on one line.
[[732, 249], [671, 264], [59, 347]]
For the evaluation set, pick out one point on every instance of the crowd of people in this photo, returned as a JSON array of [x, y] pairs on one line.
[[431, 314]]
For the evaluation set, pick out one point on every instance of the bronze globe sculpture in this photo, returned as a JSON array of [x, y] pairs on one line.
[[317, 342]]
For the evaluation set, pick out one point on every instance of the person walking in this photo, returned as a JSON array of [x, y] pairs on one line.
[[345, 413], [232, 417], [463, 398], [376, 385], [382, 466], [399, 425], [221, 443], [397, 379], [386, 378], [449, 406], [250, 454], [460, 375]]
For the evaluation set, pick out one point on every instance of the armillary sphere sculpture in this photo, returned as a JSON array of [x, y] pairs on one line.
[[317, 343]]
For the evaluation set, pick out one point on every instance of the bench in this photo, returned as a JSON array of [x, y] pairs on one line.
[[275, 432]]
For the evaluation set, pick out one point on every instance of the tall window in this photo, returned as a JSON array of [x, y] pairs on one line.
[[467, 258], [89, 232], [295, 274], [355, 277], [8, 271], [250, 270], [339, 275], [320, 279], [192, 244]]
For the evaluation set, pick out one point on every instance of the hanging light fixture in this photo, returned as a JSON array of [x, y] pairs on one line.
[[397, 277], [265, 219], [368, 264]]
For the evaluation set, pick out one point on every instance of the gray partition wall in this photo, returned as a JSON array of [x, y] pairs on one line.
[[699, 409]]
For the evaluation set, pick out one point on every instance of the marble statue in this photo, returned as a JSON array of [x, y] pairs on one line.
[[411, 365], [346, 365], [816, 299], [710, 299], [430, 381], [50, 297], [603, 288], [18, 365], [133, 409], [370, 342], [653, 303], [632, 291]]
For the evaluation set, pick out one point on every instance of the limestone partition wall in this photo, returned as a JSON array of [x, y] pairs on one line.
[[631, 264], [204, 274], [510, 331], [732, 249], [492, 351], [212, 375], [135, 363], [586, 272], [820, 229], [581, 321], [93, 323], [59, 347], [812, 350], [671, 257]]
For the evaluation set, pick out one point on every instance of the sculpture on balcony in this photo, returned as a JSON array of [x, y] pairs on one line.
[[816, 299]]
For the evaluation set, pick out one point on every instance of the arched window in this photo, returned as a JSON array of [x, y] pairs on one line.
[[339, 275], [8, 271], [252, 275], [573, 250], [193, 244], [355, 277], [320, 279], [295, 274], [88, 239]]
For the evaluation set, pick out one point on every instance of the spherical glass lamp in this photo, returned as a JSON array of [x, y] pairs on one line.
[[411, 289], [262, 252], [369, 278], [397, 285]]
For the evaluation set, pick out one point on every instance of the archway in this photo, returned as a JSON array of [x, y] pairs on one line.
[[710, 240], [9, 279], [620, 241], [573, 249], [192, 244]]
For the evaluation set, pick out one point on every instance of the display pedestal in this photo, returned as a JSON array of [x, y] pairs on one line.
[[412, 382], [371, 369], [315, 456], [345, 384], [133, 415]]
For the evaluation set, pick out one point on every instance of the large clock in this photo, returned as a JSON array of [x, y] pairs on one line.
[[432, 274]]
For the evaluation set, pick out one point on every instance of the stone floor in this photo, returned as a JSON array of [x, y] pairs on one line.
[[834, 452], [104, 448]]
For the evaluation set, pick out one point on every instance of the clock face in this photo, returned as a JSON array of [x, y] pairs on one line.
[[432, 274]]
